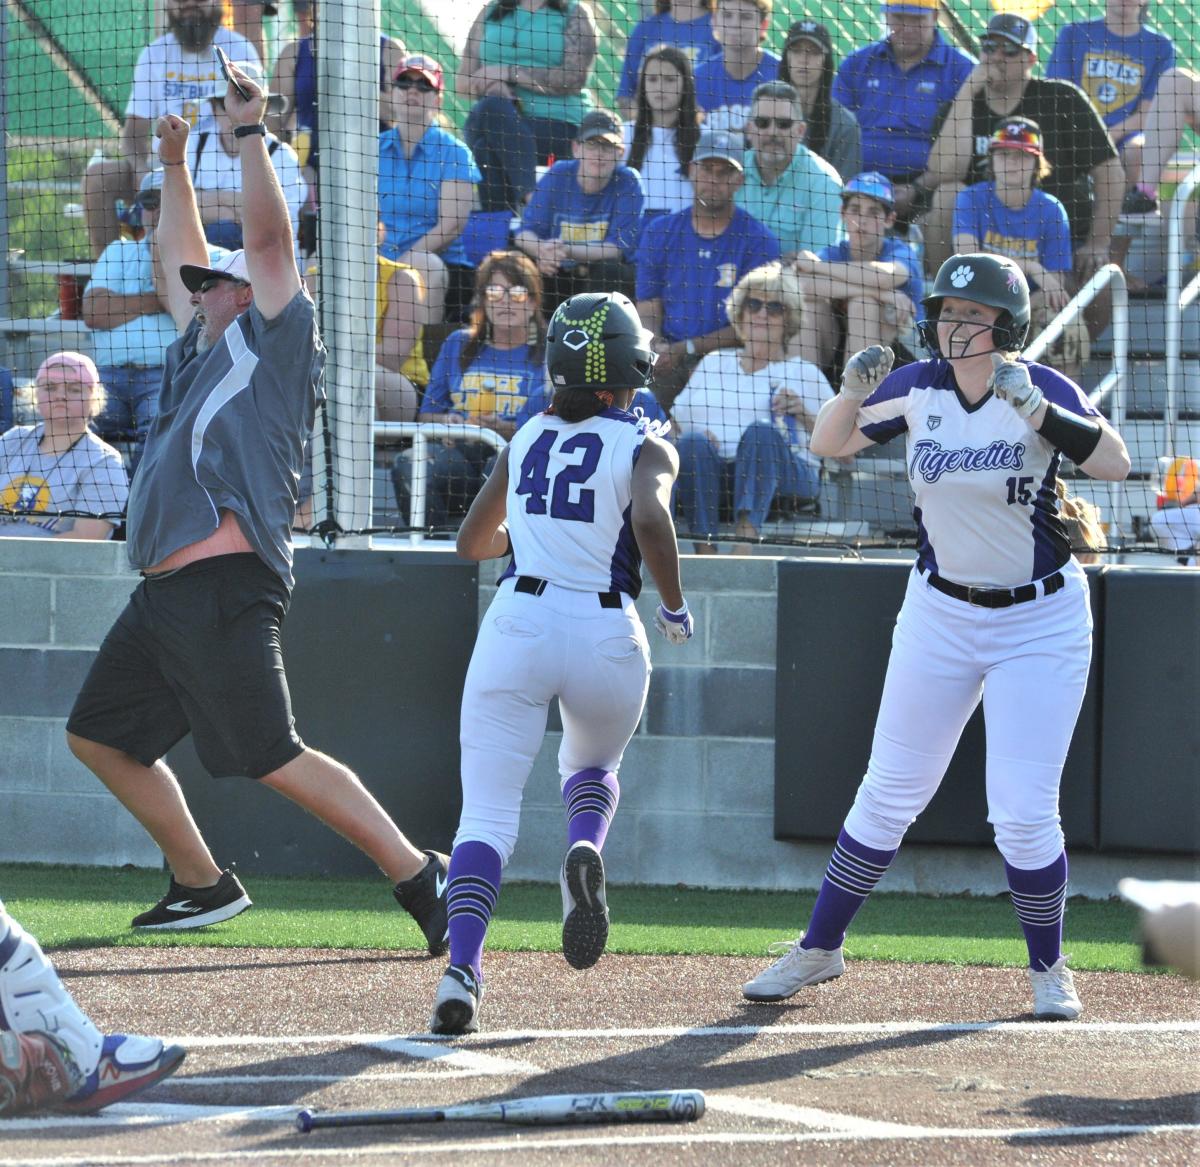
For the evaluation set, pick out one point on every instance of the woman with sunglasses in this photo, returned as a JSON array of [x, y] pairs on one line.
[[526, 65], [427, 183], [807, 65], [746, 414], [59, 465], [483, 375], [661, 140]]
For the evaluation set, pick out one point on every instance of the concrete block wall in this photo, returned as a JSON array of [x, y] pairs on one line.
[[698, 778], [57, 600]]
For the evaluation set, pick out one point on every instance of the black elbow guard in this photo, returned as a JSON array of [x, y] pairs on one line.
[[1075, 436]]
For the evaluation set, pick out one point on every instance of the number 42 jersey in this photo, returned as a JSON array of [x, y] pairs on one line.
[[986, 510], [569, 501]]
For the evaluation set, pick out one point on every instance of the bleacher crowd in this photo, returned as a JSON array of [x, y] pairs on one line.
[[771, 208]]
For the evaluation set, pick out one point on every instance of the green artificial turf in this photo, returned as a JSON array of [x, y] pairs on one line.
[[91, 907]]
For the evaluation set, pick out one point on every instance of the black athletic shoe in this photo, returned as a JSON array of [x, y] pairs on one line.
[[424, 898], [194, 907], [1137, 204], [585, 911]]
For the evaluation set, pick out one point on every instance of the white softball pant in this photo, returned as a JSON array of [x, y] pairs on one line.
[[530, 649], [1029, 662]]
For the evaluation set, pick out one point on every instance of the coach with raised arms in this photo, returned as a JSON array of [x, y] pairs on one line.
[[198, 646]]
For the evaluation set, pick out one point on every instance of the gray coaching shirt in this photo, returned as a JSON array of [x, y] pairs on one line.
[[229, 435]]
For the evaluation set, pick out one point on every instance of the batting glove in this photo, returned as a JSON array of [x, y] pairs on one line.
[[1010, 382], [865, 370], [675, 626]]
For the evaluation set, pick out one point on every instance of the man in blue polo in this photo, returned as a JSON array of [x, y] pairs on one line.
[[791, 190], [896, 88], [690, 261]]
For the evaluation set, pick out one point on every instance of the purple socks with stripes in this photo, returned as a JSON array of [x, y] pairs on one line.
[[1039, 898], [853, 872], [591, 800], [471, 900]]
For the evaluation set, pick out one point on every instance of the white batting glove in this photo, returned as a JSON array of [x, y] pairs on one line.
[[865, 370], [675, 626], [1010, 382]]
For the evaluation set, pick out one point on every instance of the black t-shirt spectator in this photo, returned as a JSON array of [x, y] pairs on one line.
[[1074, 138]]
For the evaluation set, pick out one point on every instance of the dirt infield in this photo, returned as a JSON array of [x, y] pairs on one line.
[[890, 1064]]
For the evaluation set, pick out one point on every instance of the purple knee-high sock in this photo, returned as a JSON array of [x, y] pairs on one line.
[[1040, 899], [854, 870], [470, 900], [591, 801]]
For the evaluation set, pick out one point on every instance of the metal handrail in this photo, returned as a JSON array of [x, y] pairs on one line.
[[421, 432], [1116, 380], [1178, 298]]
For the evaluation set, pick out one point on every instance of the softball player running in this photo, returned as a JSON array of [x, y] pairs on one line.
[[579, 498], [996, 608]]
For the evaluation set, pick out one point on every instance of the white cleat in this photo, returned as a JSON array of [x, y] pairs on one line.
[[456, 1005], [585, 907], [794, 970], [1054, 996]]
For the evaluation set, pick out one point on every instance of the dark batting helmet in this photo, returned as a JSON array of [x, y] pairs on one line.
[[596, 341], [993, 280]]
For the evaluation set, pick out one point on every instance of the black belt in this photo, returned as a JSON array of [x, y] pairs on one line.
[[997, 597], [532, 586]]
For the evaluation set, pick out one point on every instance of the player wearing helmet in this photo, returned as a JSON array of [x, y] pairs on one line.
[[996, 608], [580, 496]]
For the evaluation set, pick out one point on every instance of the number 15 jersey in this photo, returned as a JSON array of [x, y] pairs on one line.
[[986, 510], [570, 495]]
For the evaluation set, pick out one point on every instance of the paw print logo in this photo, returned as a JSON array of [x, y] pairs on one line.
[[962, 275]]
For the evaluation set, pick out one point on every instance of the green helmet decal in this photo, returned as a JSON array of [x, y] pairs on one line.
[[587, 334]]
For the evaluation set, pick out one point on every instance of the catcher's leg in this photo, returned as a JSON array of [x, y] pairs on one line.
[[33, 999], [36, 1073]]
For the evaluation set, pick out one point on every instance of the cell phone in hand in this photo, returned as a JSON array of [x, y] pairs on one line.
[[223, 61]]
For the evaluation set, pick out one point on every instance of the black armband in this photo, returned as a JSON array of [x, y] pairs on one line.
[[249, 131], [1075, 436]]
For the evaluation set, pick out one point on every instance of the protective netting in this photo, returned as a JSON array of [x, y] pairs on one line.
[[765, 233]]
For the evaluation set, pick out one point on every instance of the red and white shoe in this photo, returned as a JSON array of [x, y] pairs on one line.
[[128, 1065]]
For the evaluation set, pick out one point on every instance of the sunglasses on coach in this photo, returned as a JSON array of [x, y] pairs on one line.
[[518, 293], [780, 123], [420, 84], [1002, 48], [753, 304]]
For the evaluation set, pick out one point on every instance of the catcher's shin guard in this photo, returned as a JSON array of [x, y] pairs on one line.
[[33, 999]]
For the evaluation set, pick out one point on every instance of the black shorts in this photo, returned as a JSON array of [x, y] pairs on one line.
[[196, 649]]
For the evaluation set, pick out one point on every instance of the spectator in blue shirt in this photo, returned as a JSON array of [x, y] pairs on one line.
[[484, 375], [1008, 215], [832, 130], [788, 188], [896, 88], [690, 261], [726, 82], [685, 24], [865, 289], [427, 183], [1117, 62], [582, 225]]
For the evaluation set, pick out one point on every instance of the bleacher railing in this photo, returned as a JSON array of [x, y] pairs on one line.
[[1178, 299], [422, 433], [1116, 381]]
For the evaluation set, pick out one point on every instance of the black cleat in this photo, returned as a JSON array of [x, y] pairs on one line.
[[585, 910], [456, 1006], [424, 898]]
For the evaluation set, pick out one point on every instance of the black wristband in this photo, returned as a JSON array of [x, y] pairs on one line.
[[1075, 436], [246, 131]]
